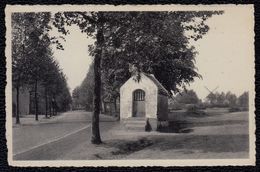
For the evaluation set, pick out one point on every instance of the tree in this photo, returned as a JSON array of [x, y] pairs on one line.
[[88, 23], [62, 95], [32, 49], [231, 98], [153, 42], [220, 98], [28, 30], [212, 98], [86, 89], [75, 96], [187, 97], [32, 58], [49, 79], [17, 58], [243, 99]]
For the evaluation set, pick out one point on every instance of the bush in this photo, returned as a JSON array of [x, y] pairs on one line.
[[202, 106], [234, 109], [237, 109], [175, 106], [244, 108], [194, 110]]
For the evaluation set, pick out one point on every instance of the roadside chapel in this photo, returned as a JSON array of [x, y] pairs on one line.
[[143, 101]]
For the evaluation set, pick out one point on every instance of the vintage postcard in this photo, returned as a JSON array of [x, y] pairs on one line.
[[130, 85]]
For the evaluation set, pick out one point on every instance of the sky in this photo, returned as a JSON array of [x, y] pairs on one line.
[[225, 55], [74, 59]]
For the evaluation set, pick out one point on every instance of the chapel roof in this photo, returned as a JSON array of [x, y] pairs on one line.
[[161, 89]]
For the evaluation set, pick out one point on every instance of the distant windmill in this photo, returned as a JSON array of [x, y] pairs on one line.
[[211, 91]]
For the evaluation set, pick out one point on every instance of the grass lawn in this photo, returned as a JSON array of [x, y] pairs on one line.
[[217, 135]]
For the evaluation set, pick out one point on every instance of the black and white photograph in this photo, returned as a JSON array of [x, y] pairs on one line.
[[130, 85]]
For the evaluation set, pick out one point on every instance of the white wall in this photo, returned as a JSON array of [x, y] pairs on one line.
[[126, 97]]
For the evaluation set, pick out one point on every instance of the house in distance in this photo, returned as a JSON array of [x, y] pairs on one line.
[[146, 100]]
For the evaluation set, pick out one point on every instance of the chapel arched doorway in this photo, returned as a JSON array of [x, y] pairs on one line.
[[139, 103]]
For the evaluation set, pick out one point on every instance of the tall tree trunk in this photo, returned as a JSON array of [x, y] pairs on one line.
[[118, 117], [95, 139], [36, 100], [50, 106], [96, 106], [54, 106], [17, 106], [46, 103], [110, 108], [104, 106], [115, 105]]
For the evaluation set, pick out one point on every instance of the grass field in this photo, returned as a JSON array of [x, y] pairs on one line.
[[217, 135]]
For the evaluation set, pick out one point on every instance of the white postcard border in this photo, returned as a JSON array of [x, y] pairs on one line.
[[105, 163]]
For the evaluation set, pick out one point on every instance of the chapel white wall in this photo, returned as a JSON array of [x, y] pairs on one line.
[[126, 97]]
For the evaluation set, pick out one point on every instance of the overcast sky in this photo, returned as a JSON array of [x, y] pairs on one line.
[[225, 55]]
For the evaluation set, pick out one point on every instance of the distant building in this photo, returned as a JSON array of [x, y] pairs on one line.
[[26, 101], [142, 101]]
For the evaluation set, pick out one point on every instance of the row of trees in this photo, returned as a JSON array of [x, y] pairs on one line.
[[228, 99], [83, 95], [212, 100], [154, 42], [187, 97], [33, 64]]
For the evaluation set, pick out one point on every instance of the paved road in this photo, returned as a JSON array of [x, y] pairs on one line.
[[55, 139]]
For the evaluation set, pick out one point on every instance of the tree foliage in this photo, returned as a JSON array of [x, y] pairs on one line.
[[228, 99], [87, 89], [187, 97], [33, 64], [243, 99], [154, 42], [231, 99]]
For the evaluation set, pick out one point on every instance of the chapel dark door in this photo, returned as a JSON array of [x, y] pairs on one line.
[[138, 103]]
